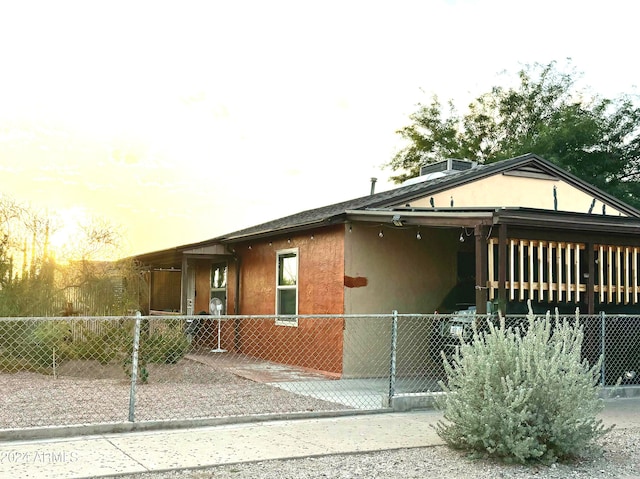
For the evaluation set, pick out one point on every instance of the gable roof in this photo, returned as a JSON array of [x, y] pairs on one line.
[[528, 164]]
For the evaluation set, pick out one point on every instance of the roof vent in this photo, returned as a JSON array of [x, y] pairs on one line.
[[442, 168], [448, 166]]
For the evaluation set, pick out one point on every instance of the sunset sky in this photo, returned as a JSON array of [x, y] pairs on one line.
[[180, 121]]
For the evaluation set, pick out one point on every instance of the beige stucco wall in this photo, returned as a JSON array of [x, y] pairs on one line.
[[514, 191], [402, 273]]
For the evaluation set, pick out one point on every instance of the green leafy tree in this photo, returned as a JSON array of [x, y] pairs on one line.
[[595, 138]]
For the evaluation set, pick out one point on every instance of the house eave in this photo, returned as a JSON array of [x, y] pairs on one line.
[[569, 221], [272, 232], [171, 258], [440, 217], [518, 217], [210, 249]]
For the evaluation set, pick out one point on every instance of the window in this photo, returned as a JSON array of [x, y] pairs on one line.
[[218, 276], [219, 283], [287, 286]]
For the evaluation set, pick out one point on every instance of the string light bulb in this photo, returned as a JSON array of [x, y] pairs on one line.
[[381, 234], [418, 235]]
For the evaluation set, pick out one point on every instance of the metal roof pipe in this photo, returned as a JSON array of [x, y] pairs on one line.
[[373, 185]]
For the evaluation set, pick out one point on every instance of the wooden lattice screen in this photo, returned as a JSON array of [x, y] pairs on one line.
[[555, 271]]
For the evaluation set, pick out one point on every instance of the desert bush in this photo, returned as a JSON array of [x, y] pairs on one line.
[[105, 341], [50, 343], [33, 345], [165, 348], [164, 343], [522, 394]]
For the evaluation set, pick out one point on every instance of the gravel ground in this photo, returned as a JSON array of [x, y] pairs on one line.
[[618, 456], [86, 392], [191, 390]]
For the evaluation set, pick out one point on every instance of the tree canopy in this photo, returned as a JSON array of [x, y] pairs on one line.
[[34, 283], [595, 138]]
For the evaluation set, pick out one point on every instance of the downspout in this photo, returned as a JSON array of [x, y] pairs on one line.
[[183, 286], [236, 299], [236, 305], [150, 288]]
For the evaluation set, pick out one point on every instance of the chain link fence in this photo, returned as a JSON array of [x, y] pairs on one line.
[[90, 370]]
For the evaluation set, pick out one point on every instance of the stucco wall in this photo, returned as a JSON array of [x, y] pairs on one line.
[[314, 343], [515, 191], [320, 272], [354, 272], [400, 271], [396, 272]]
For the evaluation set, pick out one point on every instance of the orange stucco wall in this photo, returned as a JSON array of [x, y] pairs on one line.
[[315, 343]]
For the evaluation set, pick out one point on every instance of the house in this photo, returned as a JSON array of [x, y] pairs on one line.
[[460, 234]]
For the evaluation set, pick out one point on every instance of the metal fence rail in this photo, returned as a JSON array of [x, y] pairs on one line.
[[79, 370]]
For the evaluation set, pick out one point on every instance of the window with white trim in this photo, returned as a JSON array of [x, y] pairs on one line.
[[287, 286]]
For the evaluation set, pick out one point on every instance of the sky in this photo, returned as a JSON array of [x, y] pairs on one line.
[[178, 121]]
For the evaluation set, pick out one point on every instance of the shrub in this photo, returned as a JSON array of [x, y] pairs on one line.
[[29, 345], [49, 341], [522, 393], [105, 342], [165, 348], [165, 343]]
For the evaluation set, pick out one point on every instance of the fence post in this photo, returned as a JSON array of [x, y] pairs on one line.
[[134, 367], [603, 332], [392, 363]]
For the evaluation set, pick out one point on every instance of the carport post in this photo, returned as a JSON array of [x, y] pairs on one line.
[[482, 267], [392, 363], [134, 367]]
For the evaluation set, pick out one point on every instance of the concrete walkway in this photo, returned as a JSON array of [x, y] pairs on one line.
[[136, 452]]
